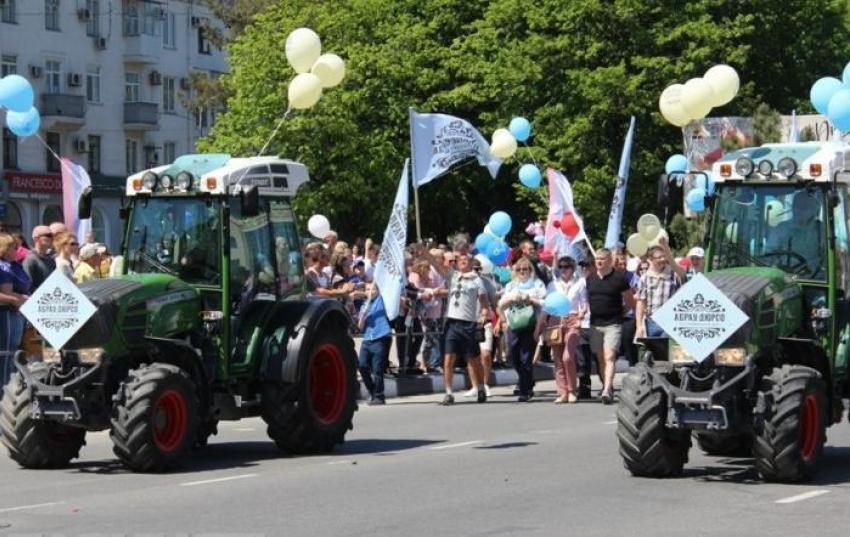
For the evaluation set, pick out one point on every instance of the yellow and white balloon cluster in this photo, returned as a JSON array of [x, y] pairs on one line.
[[504, 144], [650, 233], [682, 103], [316, 71]]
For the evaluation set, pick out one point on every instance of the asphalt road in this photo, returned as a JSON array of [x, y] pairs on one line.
[[413, 468]]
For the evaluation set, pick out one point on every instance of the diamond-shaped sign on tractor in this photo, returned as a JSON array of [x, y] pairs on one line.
[[699, 317], [58, 309]]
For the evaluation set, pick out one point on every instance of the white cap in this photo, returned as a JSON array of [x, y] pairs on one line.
[[486, 264], [696, 251], [90, 250]]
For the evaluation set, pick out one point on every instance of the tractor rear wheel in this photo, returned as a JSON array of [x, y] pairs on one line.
[[738, 445], [314, 415], [155, 418], [792, 428], [35, 443], [648, 447]]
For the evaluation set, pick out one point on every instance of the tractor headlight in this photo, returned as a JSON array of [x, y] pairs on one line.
[[184, 181], [90, 356], [679, 355], [166, 182], [50, 355], [149, 180], [765, 168], [787, 167], [735, 356], [744, 167]]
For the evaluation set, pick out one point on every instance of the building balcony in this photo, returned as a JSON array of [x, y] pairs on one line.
[[140, 116], [61, 111], [142, 48]]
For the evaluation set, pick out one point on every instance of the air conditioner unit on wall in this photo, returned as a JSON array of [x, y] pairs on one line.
[[83, 14], [35, 71], [185, 83], [75, 79], [81, 145], [100, 43], [155, 78], [196, 21]]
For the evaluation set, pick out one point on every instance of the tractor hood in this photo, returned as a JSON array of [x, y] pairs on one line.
[[132, 307]]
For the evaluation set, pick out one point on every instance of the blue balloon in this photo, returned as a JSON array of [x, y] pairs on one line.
[[845, 76], [482, 241], [16, 93], [529, 175], [557, 304], [710, 184], [23, 123], [498, 251], [500, 223], [520, 128], [540, 239], [696, 200], [839, 110], [822, 92], [676, 163]]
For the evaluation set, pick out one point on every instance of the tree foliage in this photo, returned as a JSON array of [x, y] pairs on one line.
[[578, 69]]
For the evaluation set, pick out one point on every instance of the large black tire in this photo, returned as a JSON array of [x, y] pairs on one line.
[[791, 424], [35, 443], [315, 415], [738, 445], [648, 447], [206, 429], [155, 418]]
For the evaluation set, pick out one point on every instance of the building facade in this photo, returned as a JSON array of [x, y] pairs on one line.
[[110, 78]]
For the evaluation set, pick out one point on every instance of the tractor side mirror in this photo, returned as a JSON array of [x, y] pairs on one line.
[[250, 201], [84, 206]]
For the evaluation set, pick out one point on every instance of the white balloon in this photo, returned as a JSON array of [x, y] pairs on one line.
[[305, 90], [724, 82], [697, 98], [330, 69], [318, 226], [648, 226], [504, 144], [657, 240], [670, 104], [303, 48], [486, 265], [636, 245]]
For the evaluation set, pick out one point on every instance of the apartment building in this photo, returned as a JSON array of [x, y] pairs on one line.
[[109, 79]]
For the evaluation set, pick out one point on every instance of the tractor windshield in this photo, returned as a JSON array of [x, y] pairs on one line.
[[178, 236], [780, 226]]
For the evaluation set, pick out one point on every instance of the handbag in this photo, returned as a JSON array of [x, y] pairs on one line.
[[554, 335], [520, 317]]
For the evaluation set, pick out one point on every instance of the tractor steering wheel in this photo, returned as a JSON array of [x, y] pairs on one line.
[[797, 263]]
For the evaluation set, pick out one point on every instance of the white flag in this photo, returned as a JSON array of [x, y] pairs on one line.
[[561, 204], [75, 180], [615, 218], [389, 271], [438, 142]]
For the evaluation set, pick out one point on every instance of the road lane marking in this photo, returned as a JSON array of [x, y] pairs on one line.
[[243, 429], [609, 422], [545, 431], [219, 480], [462, 444], [34, 506], [803, 496], [338, 462]]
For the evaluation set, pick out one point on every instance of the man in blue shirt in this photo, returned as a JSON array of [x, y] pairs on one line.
[[375, 348]]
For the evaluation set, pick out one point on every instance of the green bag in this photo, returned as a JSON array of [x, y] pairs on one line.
[[520, 317]]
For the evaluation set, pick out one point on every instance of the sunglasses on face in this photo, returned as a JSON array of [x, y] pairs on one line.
[[73, 244], [46, 236], [523, 269]]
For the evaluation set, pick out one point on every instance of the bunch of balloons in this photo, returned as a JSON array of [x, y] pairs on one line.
[[536, 230], [16, 96], [650, 233], [492, 241], [682, 103], [831, 97], [676, 165], [316, 71], [568, 225], [319, 226]]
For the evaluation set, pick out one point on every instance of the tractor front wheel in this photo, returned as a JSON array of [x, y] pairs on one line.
[[155, 418]]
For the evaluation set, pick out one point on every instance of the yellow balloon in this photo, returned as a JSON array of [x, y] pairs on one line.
[[697, 97], [648, 226], [305, 90], [504, 144], [636, 245], [303, 48], [670, 104], [330, 69], [724, 81]]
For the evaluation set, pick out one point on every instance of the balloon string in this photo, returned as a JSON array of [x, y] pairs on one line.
[[279, 123], [49, 149], [530, 154]]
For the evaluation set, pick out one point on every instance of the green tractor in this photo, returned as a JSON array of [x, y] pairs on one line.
[[778, 248], [206, 321]]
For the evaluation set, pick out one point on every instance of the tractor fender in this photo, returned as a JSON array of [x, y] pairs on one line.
[[810, 354], [184, 355], [292, 327]]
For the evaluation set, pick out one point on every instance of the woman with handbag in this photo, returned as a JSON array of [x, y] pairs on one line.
[[562, 334], [518, 308]]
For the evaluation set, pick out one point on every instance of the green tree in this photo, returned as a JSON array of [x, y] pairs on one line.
[[766, 125]]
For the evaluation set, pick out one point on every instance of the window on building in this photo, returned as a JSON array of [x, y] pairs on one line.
[[152, 17], [202, 118], [93, 84], [10, 150], [93, 24], [168, 87], [94, 154], [8, 65], [13, 221], [131, 20], [98, 226], [132, 156], [151, 156], [168, 152], [204, 43], [132, 87], [51, 15], [169, 31], [54, 147], [53, 76], [52, 213], [9, 11]]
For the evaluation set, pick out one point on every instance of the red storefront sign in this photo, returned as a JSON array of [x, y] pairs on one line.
[[42, 183]]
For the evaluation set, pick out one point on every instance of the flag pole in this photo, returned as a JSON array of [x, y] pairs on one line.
[[413, 178]]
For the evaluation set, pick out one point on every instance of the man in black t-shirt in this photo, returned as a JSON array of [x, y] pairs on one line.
[[607, 292]]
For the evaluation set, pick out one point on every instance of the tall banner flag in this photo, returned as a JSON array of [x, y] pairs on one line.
[[615, 219], [793, 136], [389, 271], [438, 142], [558, 239], [75, 179]]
